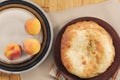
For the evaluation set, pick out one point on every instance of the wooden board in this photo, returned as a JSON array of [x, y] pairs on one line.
[[51, 6], [56, 5]]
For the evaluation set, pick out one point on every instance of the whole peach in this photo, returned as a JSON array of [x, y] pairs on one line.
[[31, 46], [33, 26], [12, 51]]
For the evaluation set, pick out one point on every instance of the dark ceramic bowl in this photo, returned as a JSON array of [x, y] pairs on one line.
[[116, 42]]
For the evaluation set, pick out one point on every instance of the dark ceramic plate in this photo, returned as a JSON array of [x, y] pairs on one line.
[[19, 11], [116, 41]]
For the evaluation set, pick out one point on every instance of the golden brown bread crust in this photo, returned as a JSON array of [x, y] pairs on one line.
[[86, 49], [87, 25]]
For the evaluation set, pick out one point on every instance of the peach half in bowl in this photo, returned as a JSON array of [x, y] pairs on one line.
[[15, 36]]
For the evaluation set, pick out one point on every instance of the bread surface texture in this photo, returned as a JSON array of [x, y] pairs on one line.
[[86, 49]]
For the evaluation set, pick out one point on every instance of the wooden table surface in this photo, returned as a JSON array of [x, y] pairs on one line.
[[51, 6]]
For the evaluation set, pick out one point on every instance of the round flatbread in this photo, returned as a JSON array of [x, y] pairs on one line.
[[86, 49]]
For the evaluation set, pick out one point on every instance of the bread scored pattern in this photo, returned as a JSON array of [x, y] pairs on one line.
[[86, 49]]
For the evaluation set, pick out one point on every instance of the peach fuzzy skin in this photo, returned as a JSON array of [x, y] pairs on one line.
[[33, 26], [12, 51], [31, 46]]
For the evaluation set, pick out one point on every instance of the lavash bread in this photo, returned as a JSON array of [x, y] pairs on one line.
[[86, 49]]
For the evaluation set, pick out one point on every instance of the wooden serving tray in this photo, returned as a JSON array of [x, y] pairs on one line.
[[50, 6]]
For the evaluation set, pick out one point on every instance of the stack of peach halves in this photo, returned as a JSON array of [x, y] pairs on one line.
[[30, 46]]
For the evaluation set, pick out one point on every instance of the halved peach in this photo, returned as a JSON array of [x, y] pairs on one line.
[[33, 26], [31, 46], [12, 51]]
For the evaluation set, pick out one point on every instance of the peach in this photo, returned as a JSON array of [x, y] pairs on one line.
[[31, 46], [33, 26], [12, 51]]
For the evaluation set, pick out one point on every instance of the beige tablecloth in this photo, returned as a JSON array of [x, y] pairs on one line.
[[108, 11]]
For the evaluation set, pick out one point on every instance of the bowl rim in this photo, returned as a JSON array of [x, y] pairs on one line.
[[116, 42], [50, 43]]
